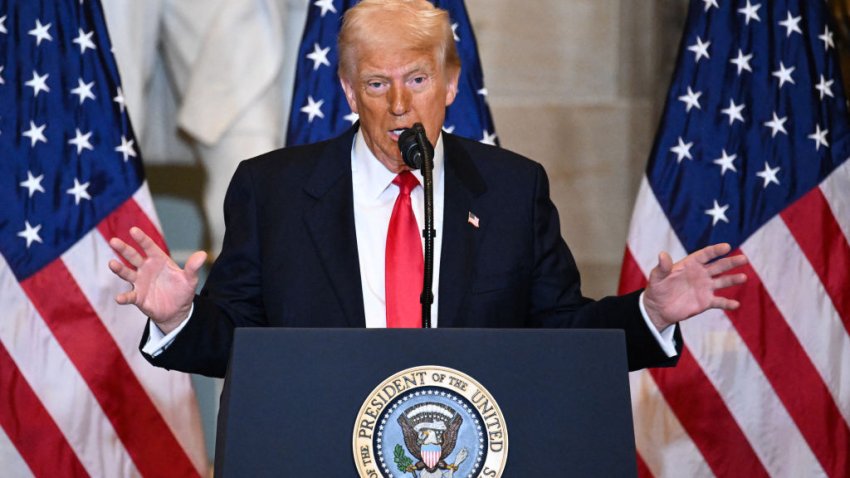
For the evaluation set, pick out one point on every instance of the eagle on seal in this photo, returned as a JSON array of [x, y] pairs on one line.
[[431, 436]]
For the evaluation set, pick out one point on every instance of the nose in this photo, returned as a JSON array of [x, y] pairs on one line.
[[399, 100]]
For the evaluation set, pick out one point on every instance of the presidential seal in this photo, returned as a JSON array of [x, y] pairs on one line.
[[430, 422]]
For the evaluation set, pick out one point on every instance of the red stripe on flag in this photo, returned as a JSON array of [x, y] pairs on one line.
[[815, 229], [704, 415], [631, 277], [643, 471], [31, 428], [78, 329], [118, 224], [792, 374]]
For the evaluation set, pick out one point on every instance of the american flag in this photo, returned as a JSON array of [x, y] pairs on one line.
[[319, 110], [76, 396], [752, 150]]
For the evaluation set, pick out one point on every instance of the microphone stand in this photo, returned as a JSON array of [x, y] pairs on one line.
[[428, 232]]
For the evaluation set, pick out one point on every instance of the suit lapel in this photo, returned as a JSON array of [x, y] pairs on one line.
[[331, 224], [463, 186]]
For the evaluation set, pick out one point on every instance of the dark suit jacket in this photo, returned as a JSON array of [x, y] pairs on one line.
[[289, 257]]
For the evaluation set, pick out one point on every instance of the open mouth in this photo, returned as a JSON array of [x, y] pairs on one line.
[[395, 133]]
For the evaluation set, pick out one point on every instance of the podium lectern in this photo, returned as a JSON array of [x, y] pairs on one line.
[[296, 402]]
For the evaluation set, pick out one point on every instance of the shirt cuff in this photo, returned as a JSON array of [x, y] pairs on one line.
[[158, 341], [665, 338]]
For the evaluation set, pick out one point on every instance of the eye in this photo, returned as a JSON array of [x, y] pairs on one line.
[[375, 87], [418, 82]]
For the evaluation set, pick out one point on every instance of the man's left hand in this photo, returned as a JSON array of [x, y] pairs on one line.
[[678, 291]]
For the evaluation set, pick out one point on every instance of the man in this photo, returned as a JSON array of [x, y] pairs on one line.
[[312, 232]]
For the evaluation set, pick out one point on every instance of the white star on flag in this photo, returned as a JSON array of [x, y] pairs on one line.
[[33, 183], [81, 141], [319, 56], [449, 129], [83, 90], [3, 24], [691, 99], [126, 148], [700, 49], [489, 138], [819, 137], [84, 40], [325, 5], [726, 162], [35, 134], [717, 213], [792, 25], [750, 12], [734, 111], [313, 109], [40, 32], [119, 98], [30, 233], [769, 175], [776, 125], [825, 87], [826, 38], [682, 150], [2, 81], [454, 32], [784, 74], [79, 191], [742, 61], [351, 117], [38, 83], [709, 4]]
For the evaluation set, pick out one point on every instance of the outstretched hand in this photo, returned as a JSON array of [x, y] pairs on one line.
[[678, 291], [160, 288]]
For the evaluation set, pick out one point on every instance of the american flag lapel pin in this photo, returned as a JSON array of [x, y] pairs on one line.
[[473, 219]]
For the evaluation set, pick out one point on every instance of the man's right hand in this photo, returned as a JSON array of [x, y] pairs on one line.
[[160, 288]]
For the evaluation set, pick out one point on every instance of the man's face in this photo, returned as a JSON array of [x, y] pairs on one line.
[[394, 87]]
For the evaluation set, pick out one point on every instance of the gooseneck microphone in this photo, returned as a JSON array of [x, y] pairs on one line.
[[418, 153]]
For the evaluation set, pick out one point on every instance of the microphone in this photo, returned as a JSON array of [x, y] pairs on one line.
[[418, 153], [413, 143]]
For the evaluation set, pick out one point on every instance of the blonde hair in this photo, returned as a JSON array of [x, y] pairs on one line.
[[426, 27]]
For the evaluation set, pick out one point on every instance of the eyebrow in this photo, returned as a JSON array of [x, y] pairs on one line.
[[419, 68]]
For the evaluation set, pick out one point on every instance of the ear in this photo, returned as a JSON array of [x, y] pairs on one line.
[[349, 93], [453, 77]]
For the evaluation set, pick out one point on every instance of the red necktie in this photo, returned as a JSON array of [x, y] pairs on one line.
[[404, 262]]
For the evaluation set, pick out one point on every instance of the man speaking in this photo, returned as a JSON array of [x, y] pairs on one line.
[[328, 234]]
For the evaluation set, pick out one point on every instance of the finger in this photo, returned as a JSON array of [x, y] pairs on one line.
[[150, 248], [729, 280], [128, 252], [126, 298], [195, 262], [709, 253], [122, 271], [726, 264], [724, 303]]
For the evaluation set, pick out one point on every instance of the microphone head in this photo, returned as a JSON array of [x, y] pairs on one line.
[[410, 143], [410, 152]]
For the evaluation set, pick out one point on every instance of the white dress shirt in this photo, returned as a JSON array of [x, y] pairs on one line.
[[374, 198]]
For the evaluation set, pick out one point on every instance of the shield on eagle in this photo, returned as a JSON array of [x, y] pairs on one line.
[[431, 455]]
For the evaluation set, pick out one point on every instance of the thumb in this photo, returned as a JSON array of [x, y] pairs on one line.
[[665, 265], [195, 262]]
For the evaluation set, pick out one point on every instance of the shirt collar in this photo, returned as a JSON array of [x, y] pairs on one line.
[[376, 178]]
